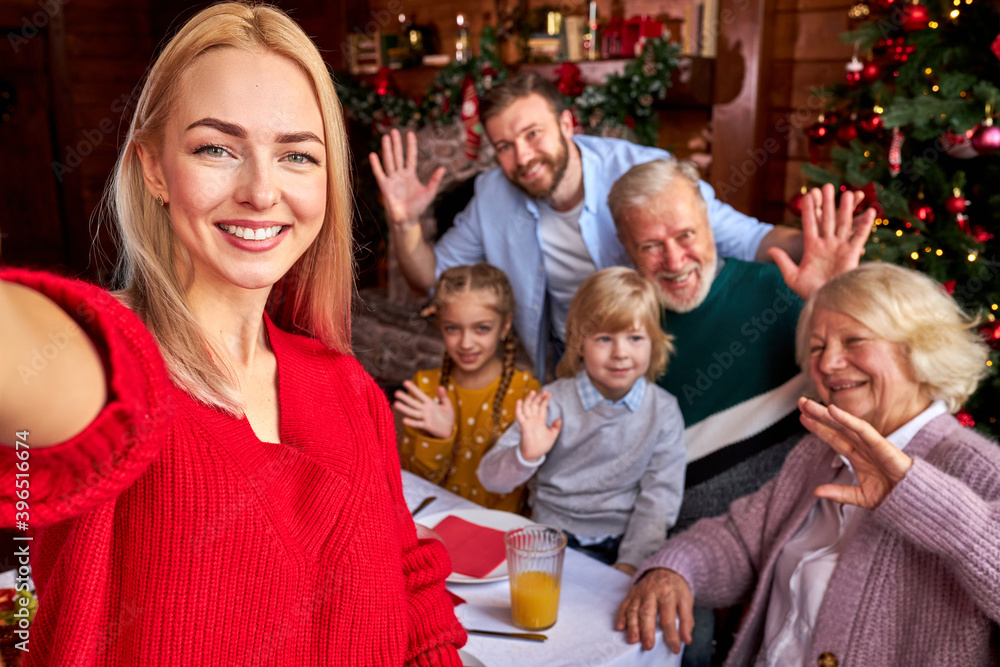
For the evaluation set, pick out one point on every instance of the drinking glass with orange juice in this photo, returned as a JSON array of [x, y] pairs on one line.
[[534, 563]]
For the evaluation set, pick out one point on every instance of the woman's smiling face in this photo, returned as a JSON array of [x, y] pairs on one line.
[[859, 372], [242, 167]]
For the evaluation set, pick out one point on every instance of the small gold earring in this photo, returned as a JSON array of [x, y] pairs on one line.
[[159, 200]]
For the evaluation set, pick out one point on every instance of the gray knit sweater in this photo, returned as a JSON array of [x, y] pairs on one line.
[[611, 471], [919, 584]]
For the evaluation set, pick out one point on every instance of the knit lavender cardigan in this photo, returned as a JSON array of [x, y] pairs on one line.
[[919, 584]]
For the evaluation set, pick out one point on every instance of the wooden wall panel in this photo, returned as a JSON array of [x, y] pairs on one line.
[[108, 48], [93, 52], [30, 222], [794, 80], [742, 65], [807, 54]]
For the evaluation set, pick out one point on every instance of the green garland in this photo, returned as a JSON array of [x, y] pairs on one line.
[[622, 101], [626, 100]]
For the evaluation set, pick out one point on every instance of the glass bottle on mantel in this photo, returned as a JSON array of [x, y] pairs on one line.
[[590, 41], [462, 41]]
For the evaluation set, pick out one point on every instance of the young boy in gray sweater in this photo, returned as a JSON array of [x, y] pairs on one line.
[[603, 446]]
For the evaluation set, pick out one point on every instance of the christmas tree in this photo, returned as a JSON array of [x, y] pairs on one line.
[[913, 126]]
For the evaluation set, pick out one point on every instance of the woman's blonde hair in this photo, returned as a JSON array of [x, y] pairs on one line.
[[609, 301], [458, 281], [314, 297], [946, 354]]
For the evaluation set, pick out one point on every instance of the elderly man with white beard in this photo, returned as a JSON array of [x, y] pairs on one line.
[[734, 373]]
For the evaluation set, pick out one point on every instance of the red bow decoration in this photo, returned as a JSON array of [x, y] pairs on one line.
[[870, 200], [570, 82], [980, 234], [384, 85]]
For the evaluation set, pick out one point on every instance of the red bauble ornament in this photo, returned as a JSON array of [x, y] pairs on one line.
[[818, 133], [871, 72], [955, 204], [847, 133], [915, 17], [986, 139], [871, 125], [795, 204], [949, 286], [923, 212], [991, 333], [823, 129], [995, 47]]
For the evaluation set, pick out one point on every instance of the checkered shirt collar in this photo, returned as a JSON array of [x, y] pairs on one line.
[[590, 397]]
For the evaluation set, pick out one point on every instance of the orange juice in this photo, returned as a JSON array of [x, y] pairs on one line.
[[534, 599]]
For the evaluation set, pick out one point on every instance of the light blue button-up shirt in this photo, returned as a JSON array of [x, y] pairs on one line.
[[500, 226]]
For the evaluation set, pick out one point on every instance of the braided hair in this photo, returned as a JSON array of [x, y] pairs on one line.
[[459, 280]]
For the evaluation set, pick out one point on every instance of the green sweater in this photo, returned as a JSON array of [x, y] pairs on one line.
[[736, 382], [738, 344]]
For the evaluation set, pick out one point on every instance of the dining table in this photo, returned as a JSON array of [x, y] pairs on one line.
[[584, 634]]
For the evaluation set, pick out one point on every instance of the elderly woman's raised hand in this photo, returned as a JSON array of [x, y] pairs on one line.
[[878, 464], [833, 240], [659, 591], [403, 195]]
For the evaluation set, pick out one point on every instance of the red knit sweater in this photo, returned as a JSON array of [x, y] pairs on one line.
[[166, 533]]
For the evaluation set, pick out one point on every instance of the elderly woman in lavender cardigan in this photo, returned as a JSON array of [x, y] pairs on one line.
[[878, 543]]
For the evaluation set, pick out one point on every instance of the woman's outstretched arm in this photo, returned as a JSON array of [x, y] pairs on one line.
[[52, 378]]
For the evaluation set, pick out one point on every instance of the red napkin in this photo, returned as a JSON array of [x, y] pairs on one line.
[[475, 550], [455, 600]]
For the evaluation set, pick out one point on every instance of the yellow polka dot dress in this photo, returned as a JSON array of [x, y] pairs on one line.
[[452, 462]]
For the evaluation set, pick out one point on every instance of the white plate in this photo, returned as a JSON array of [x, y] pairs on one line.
[[469, 660], [481, 517]]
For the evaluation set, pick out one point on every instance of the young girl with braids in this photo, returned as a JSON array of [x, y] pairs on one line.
[[453, 414]]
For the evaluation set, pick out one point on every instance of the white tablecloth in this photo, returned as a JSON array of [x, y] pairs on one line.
[[583, 636]]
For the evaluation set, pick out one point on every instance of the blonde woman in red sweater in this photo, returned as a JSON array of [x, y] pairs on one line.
[[211, 478]]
